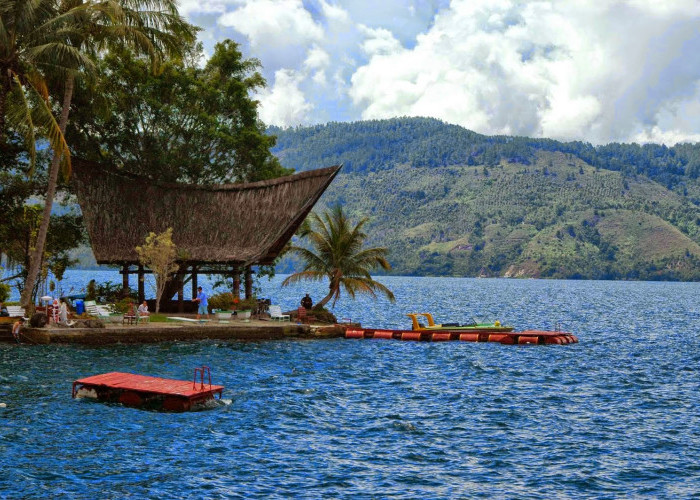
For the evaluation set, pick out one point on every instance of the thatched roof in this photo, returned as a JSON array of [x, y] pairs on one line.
[[230, 223]]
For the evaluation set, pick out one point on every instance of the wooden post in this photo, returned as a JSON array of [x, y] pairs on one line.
[[194, 282], [125, 279], [142, 293], [236, 282], [180, 292], [248, 282]]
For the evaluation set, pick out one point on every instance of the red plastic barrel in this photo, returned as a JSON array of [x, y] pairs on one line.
[[554, 340], [525, 339], [410, 336], [502, 338], [383, 334], [440, 337], [354, 334], [469, 337]]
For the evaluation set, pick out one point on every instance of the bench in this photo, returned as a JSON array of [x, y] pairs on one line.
[[16, 311]]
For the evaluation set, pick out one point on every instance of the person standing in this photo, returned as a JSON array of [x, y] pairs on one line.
[[202, 303], [63, 313], [16, 328]]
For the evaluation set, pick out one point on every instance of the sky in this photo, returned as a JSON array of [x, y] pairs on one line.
[[593, 70]]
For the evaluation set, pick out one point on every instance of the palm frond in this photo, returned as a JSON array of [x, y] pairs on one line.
[[303, 276]]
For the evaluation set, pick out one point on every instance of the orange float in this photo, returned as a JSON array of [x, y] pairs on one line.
[[469, 337]]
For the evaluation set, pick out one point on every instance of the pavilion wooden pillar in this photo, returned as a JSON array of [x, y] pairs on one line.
[[125, 279], [142, 293], [236, 282], [248, 282], [180, 292], [194, 282]]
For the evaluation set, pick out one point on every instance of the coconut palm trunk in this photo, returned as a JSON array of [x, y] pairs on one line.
[[36, 257], [333, 289]]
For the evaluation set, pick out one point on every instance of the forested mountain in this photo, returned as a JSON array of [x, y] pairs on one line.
[[448, 201]]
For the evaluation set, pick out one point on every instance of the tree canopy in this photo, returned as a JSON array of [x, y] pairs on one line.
[[186, 123]]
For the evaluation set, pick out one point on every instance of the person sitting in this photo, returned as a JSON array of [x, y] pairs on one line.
[[3, 311], [307, 302], [143, 311]]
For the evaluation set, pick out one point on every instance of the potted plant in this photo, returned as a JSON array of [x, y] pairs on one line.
[[222, 305], [245, 307]]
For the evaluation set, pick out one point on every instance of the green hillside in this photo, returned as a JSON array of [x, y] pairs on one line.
[[447, 201]]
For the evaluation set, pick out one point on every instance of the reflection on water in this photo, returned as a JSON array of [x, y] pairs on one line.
[[615, 415]]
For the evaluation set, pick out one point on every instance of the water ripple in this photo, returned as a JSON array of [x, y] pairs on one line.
[[615, 415]]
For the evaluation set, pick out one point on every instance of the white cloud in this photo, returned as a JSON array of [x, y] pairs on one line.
[[273, 23], [598, 71], [284, 104], [668, 137], [567, 70], [379, 41]]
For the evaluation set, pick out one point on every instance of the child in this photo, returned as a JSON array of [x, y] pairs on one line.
[[16, 327]]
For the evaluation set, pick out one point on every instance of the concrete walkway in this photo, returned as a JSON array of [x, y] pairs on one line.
[[176, 331]]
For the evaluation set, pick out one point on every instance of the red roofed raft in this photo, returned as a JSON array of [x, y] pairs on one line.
[[151, 393]]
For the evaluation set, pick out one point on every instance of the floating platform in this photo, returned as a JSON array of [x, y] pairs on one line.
[[511, 338], [153, 393]]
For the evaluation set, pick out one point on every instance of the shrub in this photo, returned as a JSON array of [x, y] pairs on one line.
[[124, 305], [4, 292], [323, 315], [247, 304], [222, 301]]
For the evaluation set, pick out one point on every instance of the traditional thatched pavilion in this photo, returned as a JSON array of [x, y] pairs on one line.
[[222, 228]]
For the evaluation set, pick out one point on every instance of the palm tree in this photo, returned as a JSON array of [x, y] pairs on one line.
[[152, 27], [29, 43], [337, 255]]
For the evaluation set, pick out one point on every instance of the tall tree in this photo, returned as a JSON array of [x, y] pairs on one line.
[[31, 41], [153, 27], [188, 123], [336, 254], [158, 253]]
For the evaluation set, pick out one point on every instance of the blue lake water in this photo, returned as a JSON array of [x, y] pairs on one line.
[[615, 415]]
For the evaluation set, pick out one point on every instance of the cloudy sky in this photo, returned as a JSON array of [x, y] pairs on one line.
[[592, 70]]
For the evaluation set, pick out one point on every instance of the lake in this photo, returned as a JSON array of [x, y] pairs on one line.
[[615, 415]]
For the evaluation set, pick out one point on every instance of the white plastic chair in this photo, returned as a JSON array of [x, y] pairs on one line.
[[276, 314]]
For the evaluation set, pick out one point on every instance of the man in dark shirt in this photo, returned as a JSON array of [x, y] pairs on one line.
[[306, 302]]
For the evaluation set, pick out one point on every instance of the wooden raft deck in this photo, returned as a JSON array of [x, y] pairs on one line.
[[135, 390]]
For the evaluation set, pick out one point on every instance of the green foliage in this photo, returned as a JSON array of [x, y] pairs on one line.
[[543, 210], [4, 292], [187, 123], [221, 301], [110, 293], [91, 290], [33, 43], [225, 301], [249, 304], [159, 253], [125, 305], [20, 222]]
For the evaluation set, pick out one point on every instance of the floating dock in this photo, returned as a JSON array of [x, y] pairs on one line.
[[153, 393], [511, 338]]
